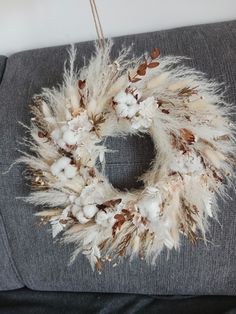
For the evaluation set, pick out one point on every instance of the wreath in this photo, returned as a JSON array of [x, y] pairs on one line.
[[188, 120]]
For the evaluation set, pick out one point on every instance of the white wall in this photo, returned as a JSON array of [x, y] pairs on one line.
[[26, 24]]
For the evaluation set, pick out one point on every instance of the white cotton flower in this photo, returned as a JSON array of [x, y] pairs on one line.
[[70, 171], [74, 132], [81, 218], [90, 210], [143, 118], [149, 205], [101, 217], [61, 143], [63, 169], [124, 110], [59, 165], [93, 193], [185, 163], [127, 104], [70, 137], [75, 209]]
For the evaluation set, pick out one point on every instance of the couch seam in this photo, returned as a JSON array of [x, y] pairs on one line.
[[3, 71], [9, 254]]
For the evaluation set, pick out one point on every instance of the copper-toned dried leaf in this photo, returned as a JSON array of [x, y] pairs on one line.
[[155, 53], [142, 69], [111, 203], [120, 217], [142, 66], [116, 226], [63, 221], [187, 135], [153, 64], [126, 211], [81, 84], [141, 72]]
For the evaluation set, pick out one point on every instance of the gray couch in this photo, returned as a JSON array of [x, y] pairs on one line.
[[29, 258]]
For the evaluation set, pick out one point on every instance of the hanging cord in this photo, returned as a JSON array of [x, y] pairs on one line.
[[97, 23]]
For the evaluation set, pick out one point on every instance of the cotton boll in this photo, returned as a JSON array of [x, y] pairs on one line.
[[123, 110], [101, 218], [75, 209], [78, 201], [63, 162], [149, 207], [61, 143], [127, 103], [61, 176], [70, 137], [90, 210], [62, 169], [145, 114], [70, 171], [81, 218], [130, 99], [59, 165]]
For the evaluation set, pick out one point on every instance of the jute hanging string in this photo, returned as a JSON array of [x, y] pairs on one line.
[[97, 23], [188, 119]]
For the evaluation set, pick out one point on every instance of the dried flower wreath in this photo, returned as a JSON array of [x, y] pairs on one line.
[[188, 120]]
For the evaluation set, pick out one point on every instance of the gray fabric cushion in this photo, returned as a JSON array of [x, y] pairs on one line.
[[41, 263], [3, 60], [9, 277]]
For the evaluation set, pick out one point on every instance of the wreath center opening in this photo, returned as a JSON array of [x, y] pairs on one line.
[[130, 158]]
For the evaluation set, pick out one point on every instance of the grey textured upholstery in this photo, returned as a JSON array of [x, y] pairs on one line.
[[42, 264], [9, 278]]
